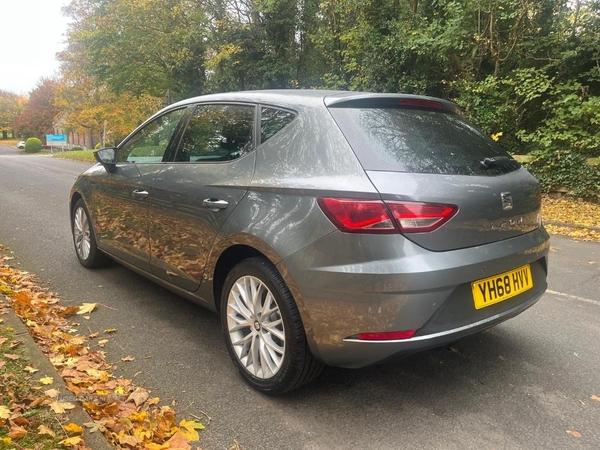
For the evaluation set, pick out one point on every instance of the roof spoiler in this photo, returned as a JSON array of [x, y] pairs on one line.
[[350, 100]]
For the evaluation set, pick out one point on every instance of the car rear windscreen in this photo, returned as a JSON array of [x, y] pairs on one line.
[[420, 141]]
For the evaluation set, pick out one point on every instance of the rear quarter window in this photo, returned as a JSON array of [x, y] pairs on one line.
[[419, 141], [272, 121]]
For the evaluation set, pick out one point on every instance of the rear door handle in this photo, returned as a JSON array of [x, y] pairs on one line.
[[139, 194], [214, 204]]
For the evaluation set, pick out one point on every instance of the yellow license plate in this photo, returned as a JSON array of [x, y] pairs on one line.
[[501, 287]]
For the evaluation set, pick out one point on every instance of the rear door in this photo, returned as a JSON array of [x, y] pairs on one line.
[[420, 150], [195, 192]]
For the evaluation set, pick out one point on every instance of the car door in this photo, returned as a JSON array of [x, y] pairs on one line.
[[194, 193], [120, 197]]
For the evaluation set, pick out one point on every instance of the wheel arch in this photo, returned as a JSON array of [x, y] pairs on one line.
[[227, 260], [75, 197], [226, 254]]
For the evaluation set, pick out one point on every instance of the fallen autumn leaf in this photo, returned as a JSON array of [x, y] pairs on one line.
[[47, 380], [43, 429], [87, 308], [73, 428], [72, 441], [61, 407], [17, 432], [139, 396], [52, 393], [4, 412]]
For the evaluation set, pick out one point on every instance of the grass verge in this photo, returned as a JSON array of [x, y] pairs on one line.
[[24, 421], [77, 155]]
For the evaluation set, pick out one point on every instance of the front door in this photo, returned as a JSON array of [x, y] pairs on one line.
[[121, 196]]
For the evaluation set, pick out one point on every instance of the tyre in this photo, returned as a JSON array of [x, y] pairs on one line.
[[84, 238], [263, 330]]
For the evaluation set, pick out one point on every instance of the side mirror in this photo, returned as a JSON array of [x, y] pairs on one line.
[[107, 157]]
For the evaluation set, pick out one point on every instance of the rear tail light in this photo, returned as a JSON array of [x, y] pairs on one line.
[[358, 216], [421, 217], [386, 336], [376, 216]]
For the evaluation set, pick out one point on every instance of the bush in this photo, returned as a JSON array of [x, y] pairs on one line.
[[566, 169], [76, 149], [33, 145]]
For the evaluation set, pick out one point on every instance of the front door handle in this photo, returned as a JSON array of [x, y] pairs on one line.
[[214, 204], [139, 194]]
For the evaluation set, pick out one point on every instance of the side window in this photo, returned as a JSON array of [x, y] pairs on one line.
[[272, 120], [150, 143], [217, 133]]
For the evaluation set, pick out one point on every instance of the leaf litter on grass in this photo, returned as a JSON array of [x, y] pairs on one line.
[[576, 218], [125, 413], [25, 422]]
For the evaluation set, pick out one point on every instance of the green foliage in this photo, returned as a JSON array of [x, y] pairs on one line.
[[76, 149], [139, 47], [106, 144], [33, 145], [565, 170], [571, 119], [528, 69]]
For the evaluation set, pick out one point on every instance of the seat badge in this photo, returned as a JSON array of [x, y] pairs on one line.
[[507, 201]]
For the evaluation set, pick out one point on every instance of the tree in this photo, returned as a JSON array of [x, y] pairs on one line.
[[39, 114], [85, 104], [527, 68], [260, 44], [11, 106], [139, 46]]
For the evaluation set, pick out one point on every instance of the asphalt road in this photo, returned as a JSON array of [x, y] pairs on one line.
[[521, 385]]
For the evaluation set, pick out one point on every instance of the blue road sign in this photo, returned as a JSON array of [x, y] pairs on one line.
[[56, 138]]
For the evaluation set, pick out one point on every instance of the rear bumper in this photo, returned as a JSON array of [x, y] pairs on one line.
[[387, 283], [356, 354]]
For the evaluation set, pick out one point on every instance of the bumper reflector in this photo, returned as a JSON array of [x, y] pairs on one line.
[[387, 336]]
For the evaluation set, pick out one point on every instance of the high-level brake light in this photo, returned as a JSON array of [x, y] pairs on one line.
[[420, 103]]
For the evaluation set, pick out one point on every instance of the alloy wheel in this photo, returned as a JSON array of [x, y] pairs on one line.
[[81, 233], [255, 327]]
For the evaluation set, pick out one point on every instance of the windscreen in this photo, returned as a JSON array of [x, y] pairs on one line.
[[420, 141]]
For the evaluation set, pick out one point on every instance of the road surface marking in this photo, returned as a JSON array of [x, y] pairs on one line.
[[574, 297]]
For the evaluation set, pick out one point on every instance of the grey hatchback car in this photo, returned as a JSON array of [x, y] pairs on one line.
[[325, 227]]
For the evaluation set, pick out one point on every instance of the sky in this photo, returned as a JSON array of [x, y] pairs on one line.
[[27, 55]]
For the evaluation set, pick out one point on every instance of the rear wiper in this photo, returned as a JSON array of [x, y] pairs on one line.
[[496, 160]]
